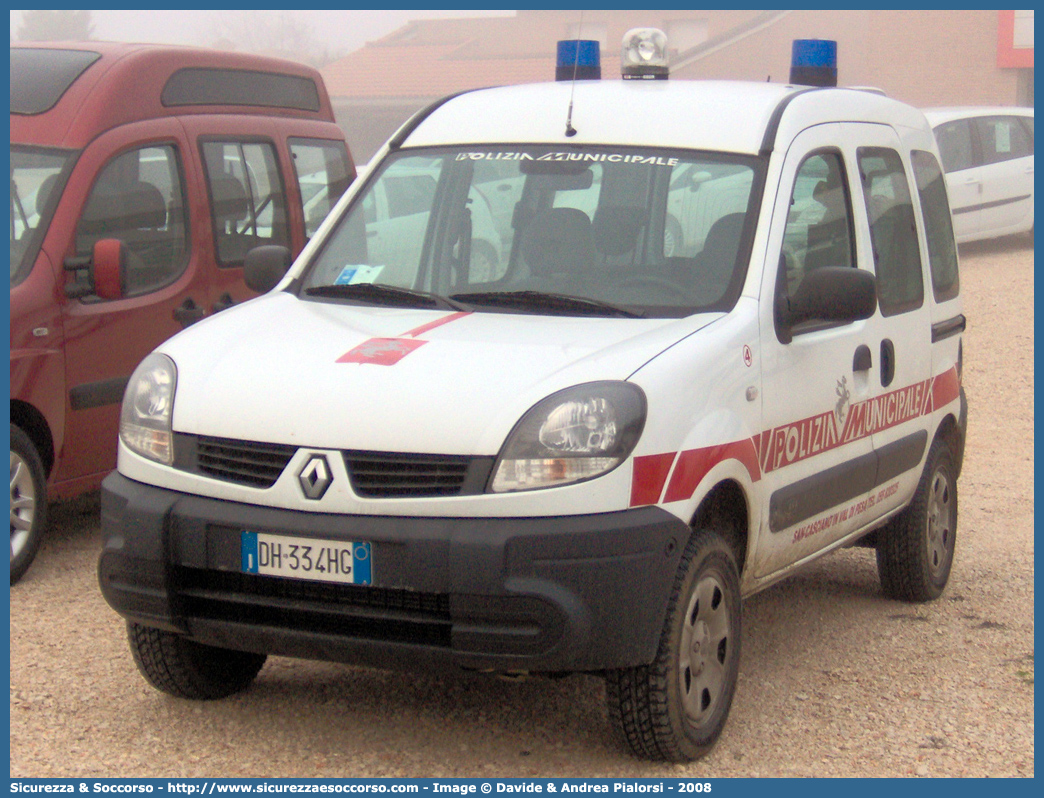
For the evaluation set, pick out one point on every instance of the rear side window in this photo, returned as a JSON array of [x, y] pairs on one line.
[[138, 199], [1003, 138], [321, 168], [39, 77], [938, 226], [208, 86], [893, 232], [955, 145], [248, 203]]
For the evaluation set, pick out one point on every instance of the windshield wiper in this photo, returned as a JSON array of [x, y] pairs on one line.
[[540, 300], [386, 295]]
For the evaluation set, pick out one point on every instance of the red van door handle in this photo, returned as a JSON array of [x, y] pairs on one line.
[[224, 302], [188, 312]]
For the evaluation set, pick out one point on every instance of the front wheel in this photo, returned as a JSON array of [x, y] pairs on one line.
[[675, 709], [28, 503], [915, 550], [187, 669]]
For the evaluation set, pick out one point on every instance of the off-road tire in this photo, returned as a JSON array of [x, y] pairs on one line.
[[675, 708], [915, 549], [186, 669], [28, 506]]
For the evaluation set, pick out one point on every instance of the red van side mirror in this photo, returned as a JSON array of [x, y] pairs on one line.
[[109, 268]]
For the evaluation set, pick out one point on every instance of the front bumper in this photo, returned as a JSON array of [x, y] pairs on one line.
[[573, 593]]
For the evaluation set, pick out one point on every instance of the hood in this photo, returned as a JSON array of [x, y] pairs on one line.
[[330, 375]]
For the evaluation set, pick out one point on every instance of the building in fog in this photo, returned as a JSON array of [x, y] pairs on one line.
[[925, 58]]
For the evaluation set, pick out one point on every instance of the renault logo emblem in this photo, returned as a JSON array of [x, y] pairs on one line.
[[315, 477]]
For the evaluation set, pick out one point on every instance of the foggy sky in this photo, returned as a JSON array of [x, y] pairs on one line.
[[342, 31]]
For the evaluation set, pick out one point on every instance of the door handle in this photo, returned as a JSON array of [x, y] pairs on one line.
[[188, 312], [887, 362], [862, 360], [224, 302]]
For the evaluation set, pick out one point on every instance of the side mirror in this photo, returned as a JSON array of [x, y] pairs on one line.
[[832, 294], [265, 266], [697, 179], [109, 268]]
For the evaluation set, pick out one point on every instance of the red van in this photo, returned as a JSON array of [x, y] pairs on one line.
[[140, 177]]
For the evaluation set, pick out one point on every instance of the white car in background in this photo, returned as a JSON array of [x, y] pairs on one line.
[[987, 154]]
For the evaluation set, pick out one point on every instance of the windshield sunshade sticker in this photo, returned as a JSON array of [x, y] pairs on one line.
[[584, 157], [381, 351], [353, 275]]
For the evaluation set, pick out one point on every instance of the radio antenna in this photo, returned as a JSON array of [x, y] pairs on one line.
[[570, 130]]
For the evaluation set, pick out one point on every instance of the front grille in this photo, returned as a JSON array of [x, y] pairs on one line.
[[390, 476], [243, 462], [373, 474], [372, 613]]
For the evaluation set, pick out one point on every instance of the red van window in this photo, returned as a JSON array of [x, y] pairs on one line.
[[247, 196], [37, 177], [40, 76], [138, 199], [321, 168]]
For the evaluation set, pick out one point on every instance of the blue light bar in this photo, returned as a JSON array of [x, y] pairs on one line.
[[578, 58], [813, 62]]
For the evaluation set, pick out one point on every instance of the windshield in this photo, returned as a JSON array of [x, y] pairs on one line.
[[37, 178], [592, 230]]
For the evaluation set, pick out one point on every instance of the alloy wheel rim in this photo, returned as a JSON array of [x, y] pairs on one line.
[[670, 243], [705, 644], [940, 524], [23, 503]]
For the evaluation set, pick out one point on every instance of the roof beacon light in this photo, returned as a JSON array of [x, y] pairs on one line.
[[813, 62], [644, 55], [579, 59]]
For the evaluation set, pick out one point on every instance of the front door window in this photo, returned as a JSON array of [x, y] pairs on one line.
[[138, 199]]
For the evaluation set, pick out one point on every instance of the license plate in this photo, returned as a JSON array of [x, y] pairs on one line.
[[341, 561]]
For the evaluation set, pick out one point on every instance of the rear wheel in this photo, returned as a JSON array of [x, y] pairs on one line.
[[28, 503], [187, 669], [675, 709], [915, 550]]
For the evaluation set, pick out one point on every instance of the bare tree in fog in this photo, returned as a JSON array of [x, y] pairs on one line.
[[41, 26], [276, 34]]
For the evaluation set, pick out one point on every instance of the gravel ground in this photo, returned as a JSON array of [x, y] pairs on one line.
[[835, 680]]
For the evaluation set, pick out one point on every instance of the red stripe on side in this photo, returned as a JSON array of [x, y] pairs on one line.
[[694, 465], [946, 388], [650, 474], [437, 323]]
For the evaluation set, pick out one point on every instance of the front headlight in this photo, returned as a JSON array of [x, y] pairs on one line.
[[147, 407], [576, 434]]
